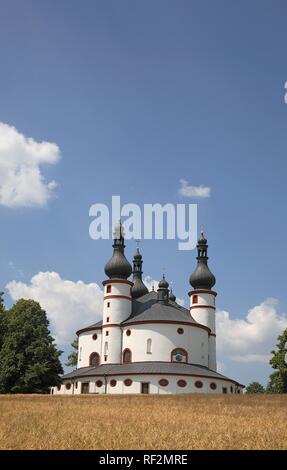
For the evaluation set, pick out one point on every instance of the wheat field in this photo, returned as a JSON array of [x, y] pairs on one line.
[[143, 422]]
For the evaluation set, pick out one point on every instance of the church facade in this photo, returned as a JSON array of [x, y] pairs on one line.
[[146, 342]]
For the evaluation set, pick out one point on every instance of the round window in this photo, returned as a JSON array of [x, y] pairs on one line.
[[113, 383], [128, 332], [128, 382], [213, 386], [99, 383], [181, 383], [163, 382], [95, 336], [198, 384], [180, 331], [68, 386]]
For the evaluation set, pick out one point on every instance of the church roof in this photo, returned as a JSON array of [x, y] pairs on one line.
[[146, 368], [148, 308]]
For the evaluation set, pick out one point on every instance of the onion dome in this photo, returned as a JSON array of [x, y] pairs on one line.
[[118, 266], [172, 297], [139, 288], [163, 291], [202, 277]]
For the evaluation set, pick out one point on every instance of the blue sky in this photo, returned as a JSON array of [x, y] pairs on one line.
[[138, 95]]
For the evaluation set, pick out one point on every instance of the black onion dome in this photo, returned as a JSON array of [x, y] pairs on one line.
[[172, 297], [139, 288], [118, 266], [163, 284], [202, 277]]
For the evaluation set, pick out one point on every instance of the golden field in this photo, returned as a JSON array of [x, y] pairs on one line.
[[143, 422]]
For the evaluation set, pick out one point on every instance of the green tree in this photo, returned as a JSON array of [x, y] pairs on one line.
[[73, 356], [29, 361], [255, 387], [3, 319], [278, 380]]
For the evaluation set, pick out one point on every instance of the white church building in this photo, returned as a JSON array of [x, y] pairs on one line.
[[147, 342]]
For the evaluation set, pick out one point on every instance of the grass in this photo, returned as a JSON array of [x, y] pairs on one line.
[[143, 422]]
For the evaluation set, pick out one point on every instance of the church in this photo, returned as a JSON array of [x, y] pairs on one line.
[[146, 342]]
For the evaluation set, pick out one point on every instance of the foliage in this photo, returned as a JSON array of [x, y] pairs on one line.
[[278, 380], [73, 356], [255, 387], [29, 361]]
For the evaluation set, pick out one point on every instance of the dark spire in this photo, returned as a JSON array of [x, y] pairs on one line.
[[139, 288], [118, 266], [163, 290], [202, 277]]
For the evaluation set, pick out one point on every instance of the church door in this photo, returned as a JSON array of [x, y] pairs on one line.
[[85, 387], [145, 387]]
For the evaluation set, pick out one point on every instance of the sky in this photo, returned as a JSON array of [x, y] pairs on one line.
[[130, 98]]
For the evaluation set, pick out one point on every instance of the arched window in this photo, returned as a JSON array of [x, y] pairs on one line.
[[109, 289], [148, 346], [127, 356], [179, 355], [94, 359]]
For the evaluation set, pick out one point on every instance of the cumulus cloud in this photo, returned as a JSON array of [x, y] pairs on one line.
[[250, 339], [187, 190], [69, 305], [21, 180]]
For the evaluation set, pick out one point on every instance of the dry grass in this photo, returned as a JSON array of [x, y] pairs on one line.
[[143, 422]]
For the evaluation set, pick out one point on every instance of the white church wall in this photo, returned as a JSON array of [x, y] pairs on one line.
[[165, 338], [88, 345]]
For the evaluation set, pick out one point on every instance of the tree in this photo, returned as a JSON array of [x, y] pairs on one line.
[[255, 387], [29, 361], [278, 380], [73, 356], [3, 319]]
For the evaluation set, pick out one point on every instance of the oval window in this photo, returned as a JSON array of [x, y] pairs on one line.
[[213, 386], [95, 336], [128, 332], [113, 383], [128, 382], [163, 382], [181, 383], [68, 386], [99, 383], [198, 384], [180, 331]]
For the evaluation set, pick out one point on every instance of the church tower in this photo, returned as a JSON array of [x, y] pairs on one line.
[[202, 298], [139, 288], [117, 300]]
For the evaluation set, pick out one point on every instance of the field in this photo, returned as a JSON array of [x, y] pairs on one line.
[[143, 422]]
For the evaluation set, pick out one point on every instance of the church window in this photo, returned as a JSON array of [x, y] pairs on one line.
[[127, 356], [198, 384], [107, 333], [113, 383], [58, 387], [195, 299], [181, 383], [163, 382], [128, 382], [149, 346], [80, 354], [213, 386], [95, 336], [68, 386], [99, 383], [231, 389], [94, 359], [180, 331], [109, 289], [179, 355], [109, 304], [224, 390], [128, 332], [106, 348]]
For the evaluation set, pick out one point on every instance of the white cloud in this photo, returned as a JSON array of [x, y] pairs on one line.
[[188, 190], [21, 180], [69, 305], [252, 338]]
